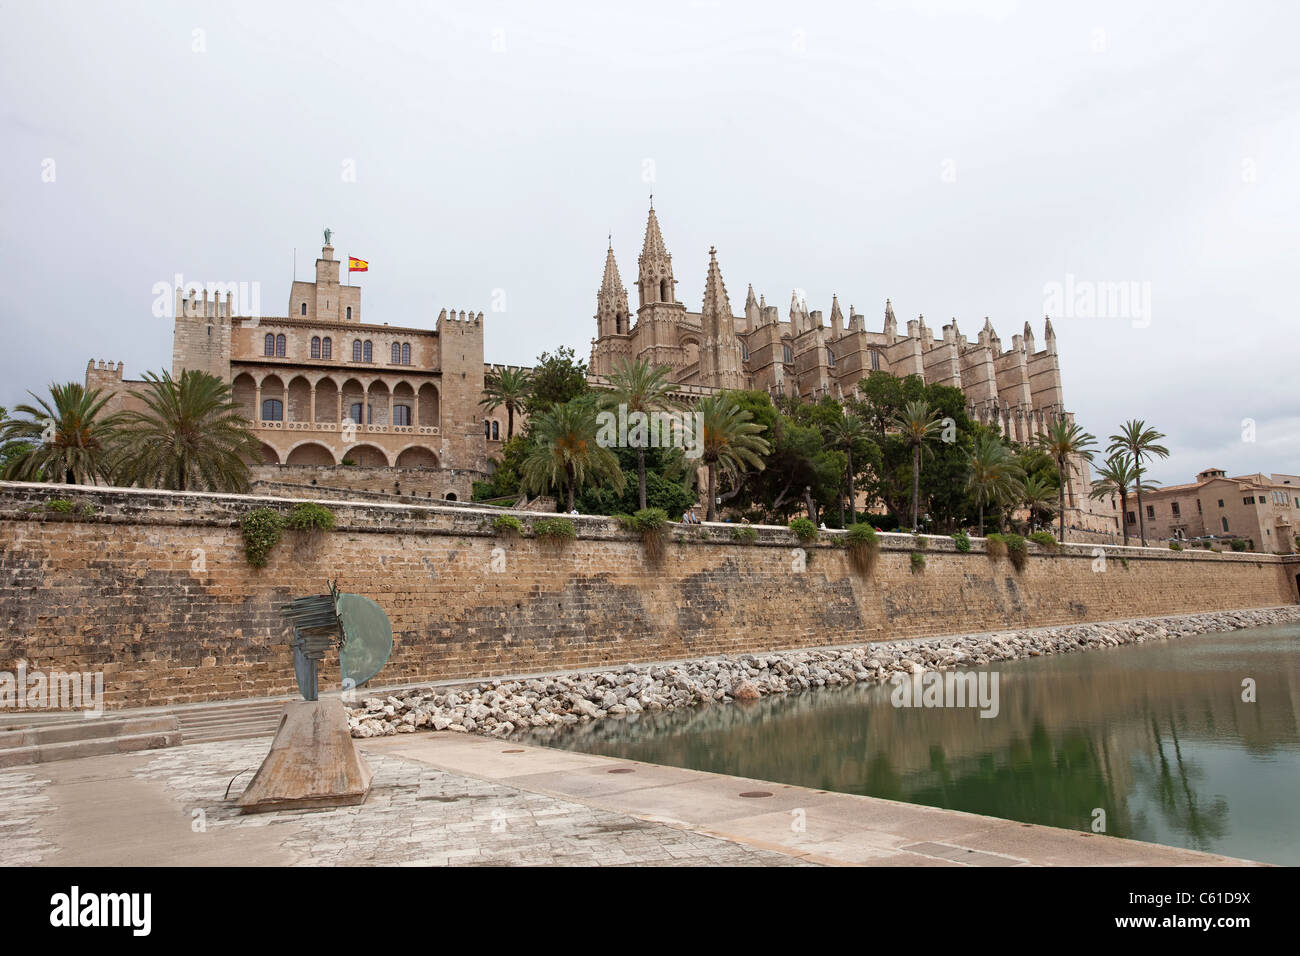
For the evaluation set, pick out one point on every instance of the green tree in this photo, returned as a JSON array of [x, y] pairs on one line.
[[917, 423], [640, 387], [848, 433], [1141, 443], [563, 452], [507, 387], [1066, 443], [732, 442], [191, 434], [556, 379], [994, 476], [67, 438], [1038, 495], [1118, 476]]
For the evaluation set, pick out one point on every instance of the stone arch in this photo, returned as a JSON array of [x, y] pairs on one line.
[[430, 405], [269, 455], [309, 453], [416, 456], [369, 456], [449, 496], [377, 393], [299, 406], [327, 400], [404, 395], [244, 390], [354, 393], [691, 349]]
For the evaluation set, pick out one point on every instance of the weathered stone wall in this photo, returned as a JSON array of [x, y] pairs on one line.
[[154, 590]]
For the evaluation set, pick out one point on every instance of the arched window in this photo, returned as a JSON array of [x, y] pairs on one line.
[[272, 410], [401, 414], [397, 354], [356, 413], [326, 348], [367, 352], [406, 353], [315, 346], [356, 350], [269, 347], [349, 313], [663, 290], [302, 309], [496, 431], [279, 346], [830, 358], [744, 351], [487, 429], [875, 361], [787, 355]]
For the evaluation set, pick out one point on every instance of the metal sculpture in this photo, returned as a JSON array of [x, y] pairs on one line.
[[353, 623]]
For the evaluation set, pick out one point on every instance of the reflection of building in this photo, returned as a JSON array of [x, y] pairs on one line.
[[1258, 508], [1017, 390], [323, 388]]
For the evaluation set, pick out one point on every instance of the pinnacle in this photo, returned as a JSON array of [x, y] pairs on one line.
[[715, 291], [611, 282], [653, 247]]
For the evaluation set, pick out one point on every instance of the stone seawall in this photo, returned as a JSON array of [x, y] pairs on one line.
[[153, 589]]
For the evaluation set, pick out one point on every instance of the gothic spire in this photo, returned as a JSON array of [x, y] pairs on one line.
[[715, 291]]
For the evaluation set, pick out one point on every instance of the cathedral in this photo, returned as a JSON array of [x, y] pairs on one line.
[[1017, 390]]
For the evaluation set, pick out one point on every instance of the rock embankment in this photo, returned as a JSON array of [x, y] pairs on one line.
[[502, 708]]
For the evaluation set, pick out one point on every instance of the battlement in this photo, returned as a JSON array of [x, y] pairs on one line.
[[214, 307], [466, 319], [102, 372]]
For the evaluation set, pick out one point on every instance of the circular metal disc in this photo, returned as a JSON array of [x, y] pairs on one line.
[[368, 638]]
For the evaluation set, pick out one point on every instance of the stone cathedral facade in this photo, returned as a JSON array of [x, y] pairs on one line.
[[1017, 389]]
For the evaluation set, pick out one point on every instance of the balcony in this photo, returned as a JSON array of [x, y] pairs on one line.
[[325, 427]]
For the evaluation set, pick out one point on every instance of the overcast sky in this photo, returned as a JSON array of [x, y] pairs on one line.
[[956, 158]]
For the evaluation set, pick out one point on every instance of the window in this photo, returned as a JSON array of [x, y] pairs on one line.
[[302, 309], [397, 354], [401, 414], [1130, 517], [272, 410], [355, 413], [356, 357], [787, 355], [367, 351], [1198, 506], [1220, 502], [487, 429], [1151, 511], [269, 347], [744, 351], [1174, 506], [315, 346], [830, 358], [1225, 523], [326, 348], [496, 431], [349, 313], [406, 353], [1248, 501], [875, 361], [279, 346]]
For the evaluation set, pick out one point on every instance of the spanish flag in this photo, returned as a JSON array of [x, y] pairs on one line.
[[357, 265]]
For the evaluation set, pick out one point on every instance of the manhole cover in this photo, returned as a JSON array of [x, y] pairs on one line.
[[755, 793], [621, 770]]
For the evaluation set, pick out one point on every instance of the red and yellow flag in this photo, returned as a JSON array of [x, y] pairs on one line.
[[357, 265]]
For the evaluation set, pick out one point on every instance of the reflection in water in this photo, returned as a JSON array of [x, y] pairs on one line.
[[1157, 736]]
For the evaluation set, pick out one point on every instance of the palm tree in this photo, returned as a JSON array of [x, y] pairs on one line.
[[641, 387], [1140, 442], [192, 434], [994, 475], [1119, 476], [845, 432], [1037, 493], [1066, 442], [730, 443], [509, 387], [564, 451], [67, 437], [918, 423]]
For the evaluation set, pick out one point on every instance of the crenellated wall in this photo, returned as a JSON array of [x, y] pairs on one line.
[[153, 589]]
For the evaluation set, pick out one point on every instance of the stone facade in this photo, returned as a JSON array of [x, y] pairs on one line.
[[1017, 390], [1262, 509], [323, 388], [154, 590]]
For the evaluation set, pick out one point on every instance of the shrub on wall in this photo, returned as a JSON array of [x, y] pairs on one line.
[[262, 528], [507, 524], [804, 530], [1045, 540], [1017, 550], [555, 529], [996, 546], [1238, 544], [651, 524], [918, 562], [744, 534], [309, 516], [918, 541], [1175, 546], [962, 541], [863, 545]]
